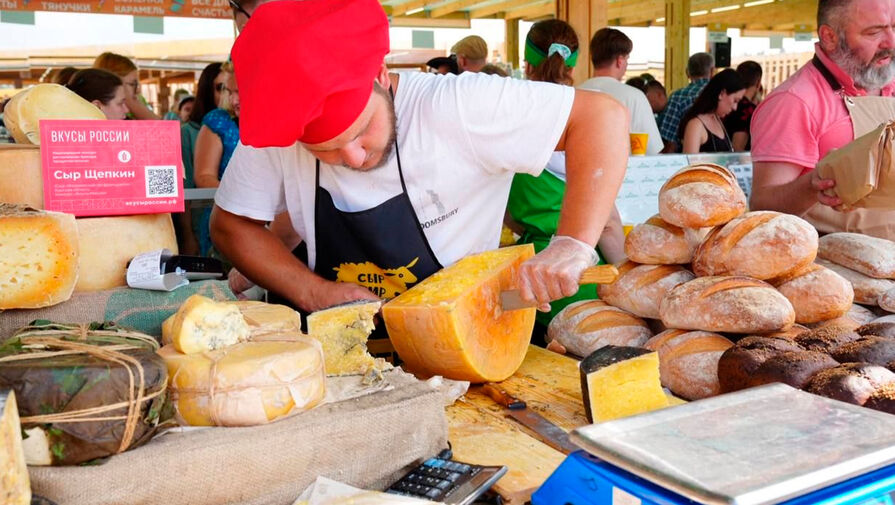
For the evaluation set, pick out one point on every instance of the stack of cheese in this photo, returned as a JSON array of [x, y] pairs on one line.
[[704, 266], [227, 369]]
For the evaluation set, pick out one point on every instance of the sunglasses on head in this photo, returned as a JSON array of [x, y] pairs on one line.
[[238, 8]]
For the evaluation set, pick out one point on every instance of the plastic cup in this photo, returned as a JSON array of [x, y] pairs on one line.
[[638, 143]]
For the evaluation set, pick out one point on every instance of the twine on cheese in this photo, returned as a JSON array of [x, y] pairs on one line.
[[37, 337]]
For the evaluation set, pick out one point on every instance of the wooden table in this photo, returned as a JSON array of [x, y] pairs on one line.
[[480, 432]]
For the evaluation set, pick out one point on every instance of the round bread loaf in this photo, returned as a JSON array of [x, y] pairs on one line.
[[789, 334], [887, 300], [701, 195], [850, 382], [688, 361], [816, 293], [727, 304], [855, 317], [639, 289], [878, 328], [737, 364], [656, 242], [762, 245], [868, 290], [794, 368], [874, 350], [585, 326], [872, 256], [883, 399], [826, 339]]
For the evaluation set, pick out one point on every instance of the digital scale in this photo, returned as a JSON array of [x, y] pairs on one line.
[[766, 445]]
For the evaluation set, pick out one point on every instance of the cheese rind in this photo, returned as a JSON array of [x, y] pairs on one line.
[[619, 382], [452, 323], [20, 171], [246, 384], [343, 331], [202, 324], [15, 487], [24, 111], [38, 257]]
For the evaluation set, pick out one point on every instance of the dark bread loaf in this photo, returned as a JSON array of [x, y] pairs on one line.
[[883, 399], [826, 339], [657, 242], [879, 329], [794, 368], [872, 256], [727, 304], [816, 293], [762, 245], [699, 196], [850, 382], [737, 364], [639, 289], [874, 350]]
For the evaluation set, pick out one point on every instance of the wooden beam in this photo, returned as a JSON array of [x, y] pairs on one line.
[[453, 20], [498, 7], [512, 42], [450, 7], [403, 8], [586, 17], [677, 43], [534, 10]]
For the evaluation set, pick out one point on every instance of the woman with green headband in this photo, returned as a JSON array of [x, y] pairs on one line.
[[551, 52]]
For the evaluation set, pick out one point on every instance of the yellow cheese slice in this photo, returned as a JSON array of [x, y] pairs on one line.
[[202, 324], [262, 319], [343, 331], [15, 487], [620, 382], [246, 384], [24, 111], [38, 257], [452, 324]]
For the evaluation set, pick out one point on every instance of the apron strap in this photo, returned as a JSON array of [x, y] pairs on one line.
[[824, 71]]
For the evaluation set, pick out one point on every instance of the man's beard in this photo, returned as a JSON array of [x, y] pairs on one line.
[[867, 76], [393, 133]]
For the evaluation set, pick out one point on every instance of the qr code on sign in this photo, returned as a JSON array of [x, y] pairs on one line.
[[161, 181]]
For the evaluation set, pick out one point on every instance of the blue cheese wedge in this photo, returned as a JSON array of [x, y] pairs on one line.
[[343, 331]]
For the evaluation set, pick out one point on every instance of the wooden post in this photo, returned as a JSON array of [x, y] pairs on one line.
[[164, 94], [586, 17], [677, 43], [512, 43]]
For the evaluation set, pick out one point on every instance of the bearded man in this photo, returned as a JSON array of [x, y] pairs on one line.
[[844, 92]]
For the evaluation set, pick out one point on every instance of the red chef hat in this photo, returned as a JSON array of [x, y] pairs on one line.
[[305, 68]]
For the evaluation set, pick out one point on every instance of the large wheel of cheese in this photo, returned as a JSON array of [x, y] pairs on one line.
[[452, 324]]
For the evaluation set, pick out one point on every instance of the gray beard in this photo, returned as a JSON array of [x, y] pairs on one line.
[[866, 76]]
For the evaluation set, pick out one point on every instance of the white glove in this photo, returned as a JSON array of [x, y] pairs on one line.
[[554, 272]]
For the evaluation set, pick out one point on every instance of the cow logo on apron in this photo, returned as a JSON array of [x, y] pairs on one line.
[[384, 283]]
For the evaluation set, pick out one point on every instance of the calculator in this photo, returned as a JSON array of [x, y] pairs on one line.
[[443, 480]]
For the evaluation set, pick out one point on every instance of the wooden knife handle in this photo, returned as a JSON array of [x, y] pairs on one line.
[[502, 397], [600, 274]]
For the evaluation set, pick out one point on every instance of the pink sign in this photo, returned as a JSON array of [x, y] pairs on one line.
[[109, 168]]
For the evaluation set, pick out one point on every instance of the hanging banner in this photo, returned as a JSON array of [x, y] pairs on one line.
[[217, 9]]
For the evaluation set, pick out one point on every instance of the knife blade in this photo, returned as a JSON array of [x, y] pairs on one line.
[[546, 432], [511, 299]]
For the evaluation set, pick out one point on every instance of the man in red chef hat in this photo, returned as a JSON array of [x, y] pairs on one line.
[[386, 178]]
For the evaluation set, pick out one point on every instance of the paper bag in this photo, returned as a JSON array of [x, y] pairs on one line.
[[863, 170]]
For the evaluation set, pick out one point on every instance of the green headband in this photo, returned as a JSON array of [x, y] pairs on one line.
[[535, 56]]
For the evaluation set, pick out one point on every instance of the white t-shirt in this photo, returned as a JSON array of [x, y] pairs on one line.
[[641, 114], [461, 139]]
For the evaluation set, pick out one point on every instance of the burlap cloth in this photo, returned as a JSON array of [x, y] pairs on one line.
[[367, 442]]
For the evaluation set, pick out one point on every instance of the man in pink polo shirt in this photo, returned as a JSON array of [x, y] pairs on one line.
[[845, 91]]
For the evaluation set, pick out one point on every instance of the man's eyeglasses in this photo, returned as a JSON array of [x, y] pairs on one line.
[[238, 8]]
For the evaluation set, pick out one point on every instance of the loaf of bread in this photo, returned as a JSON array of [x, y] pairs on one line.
[[883, 399], [872, 256], [794, 368], [761, 245], [877, 328], [816, 293], [874, 350], [788, 334], [826, 339], [851, 382], [727, 304], [867, 289], [583, 327], [639, 289], [688, 361], [657, 242], [887, 300], [701, 195], [737, 364]]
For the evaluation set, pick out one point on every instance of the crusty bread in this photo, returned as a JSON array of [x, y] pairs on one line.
[[875, 350], [851, 382], [826, 339], [878, 328], [794, 368], [727, 304], [856, 316], [867, 289], [583, 327], [816, 293], [701, 195], [688, 361], [737, 364], [872, 256], [640, 289], [887, 300], [761, 245], [657, 242]]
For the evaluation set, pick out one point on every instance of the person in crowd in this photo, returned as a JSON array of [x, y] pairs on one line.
[[737, 122], [551, 52], [103, 89], [637, 83], [397, 170], [242, 11], [124, 68], [472, 53], [63, 75], [174, 112], [699, 70], [185, 108], [215, 144], [655, 95], [845, 91], [609, 53], [492, 69], [647, 77], [702, 127], [212, 82], [444, 65]]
